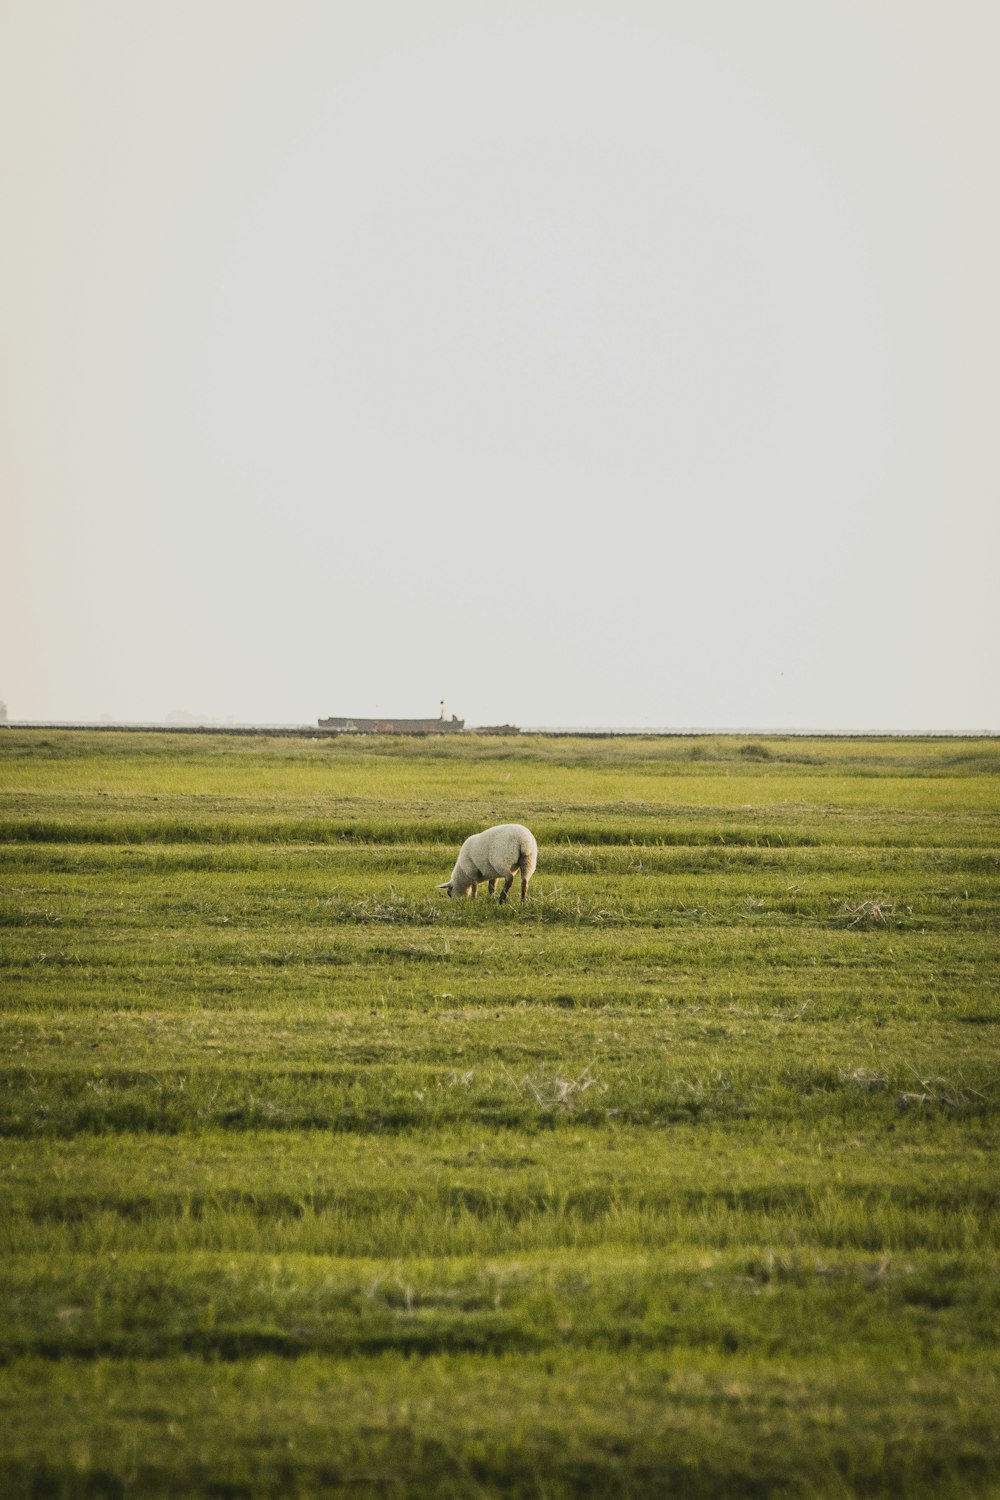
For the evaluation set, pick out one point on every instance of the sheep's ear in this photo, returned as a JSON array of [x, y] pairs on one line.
[[444, 886]]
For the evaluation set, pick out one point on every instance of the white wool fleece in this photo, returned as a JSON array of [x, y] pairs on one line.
[[494, 854]]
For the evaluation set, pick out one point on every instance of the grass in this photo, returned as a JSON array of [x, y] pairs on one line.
[[680, 1179]]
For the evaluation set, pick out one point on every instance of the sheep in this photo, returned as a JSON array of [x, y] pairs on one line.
[[495, 854]]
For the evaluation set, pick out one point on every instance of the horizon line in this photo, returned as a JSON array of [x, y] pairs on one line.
[[232, 726]]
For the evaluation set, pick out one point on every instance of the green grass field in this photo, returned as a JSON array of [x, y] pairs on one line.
[[680, 1180]]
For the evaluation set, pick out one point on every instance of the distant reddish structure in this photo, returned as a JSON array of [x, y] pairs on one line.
[[395, 726], [440, 725]]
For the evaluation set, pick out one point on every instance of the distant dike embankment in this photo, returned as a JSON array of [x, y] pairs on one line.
[[315, 732]]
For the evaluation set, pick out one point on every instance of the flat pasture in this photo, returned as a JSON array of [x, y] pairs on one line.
[[680, 1179]]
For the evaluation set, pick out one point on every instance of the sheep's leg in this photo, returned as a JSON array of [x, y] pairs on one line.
[[474, 890], [508, 882], [524, 884], [491, 886]]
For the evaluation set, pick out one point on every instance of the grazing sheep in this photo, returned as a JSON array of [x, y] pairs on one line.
[[495, 854]]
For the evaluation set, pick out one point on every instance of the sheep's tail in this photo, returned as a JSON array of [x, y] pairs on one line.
[[527, 859]]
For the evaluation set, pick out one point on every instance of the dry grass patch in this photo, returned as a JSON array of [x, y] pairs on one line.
[[878, 911]]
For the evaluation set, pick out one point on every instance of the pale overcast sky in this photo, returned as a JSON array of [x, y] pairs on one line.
[[583, 363]]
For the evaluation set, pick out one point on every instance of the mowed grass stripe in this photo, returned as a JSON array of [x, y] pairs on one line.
[[564, 1422], [771, 861], [971, 822], [927, 1183], [146, 1306], [518, 1071], [634, 896], [840, 973]]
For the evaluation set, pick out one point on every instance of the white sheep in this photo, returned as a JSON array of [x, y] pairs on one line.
[[495, 854]]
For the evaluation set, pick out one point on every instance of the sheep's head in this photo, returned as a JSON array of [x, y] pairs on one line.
[[452, 888], [445, 886]]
